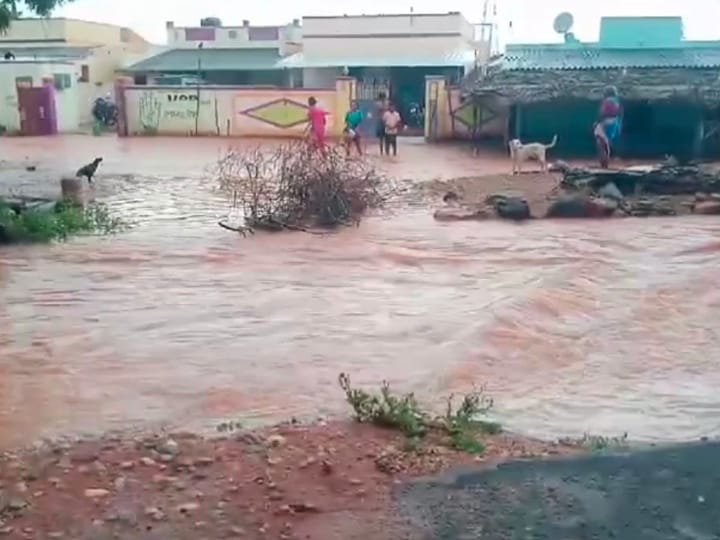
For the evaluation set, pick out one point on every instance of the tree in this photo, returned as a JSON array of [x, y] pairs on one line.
[[13, 9]]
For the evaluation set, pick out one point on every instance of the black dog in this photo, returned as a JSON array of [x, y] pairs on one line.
[[89, 170]]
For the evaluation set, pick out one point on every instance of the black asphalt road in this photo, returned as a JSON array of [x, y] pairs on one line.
[[666, 494]]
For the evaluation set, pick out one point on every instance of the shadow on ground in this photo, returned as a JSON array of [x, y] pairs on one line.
[[673, 493]]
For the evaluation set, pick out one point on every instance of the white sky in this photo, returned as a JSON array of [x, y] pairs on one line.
[[532, 19]]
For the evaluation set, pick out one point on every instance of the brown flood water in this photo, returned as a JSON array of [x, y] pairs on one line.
[[574, 327]]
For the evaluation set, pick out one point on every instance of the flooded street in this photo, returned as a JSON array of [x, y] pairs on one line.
[[600, 327]]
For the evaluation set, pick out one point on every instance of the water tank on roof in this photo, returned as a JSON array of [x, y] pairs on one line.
[[211, 21]]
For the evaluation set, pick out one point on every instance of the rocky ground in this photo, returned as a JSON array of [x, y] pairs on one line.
[[325, 482]]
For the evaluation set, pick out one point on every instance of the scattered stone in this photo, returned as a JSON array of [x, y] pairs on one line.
[[54, 481], [204, 461], [155, 513], [187, 507], [127, 465], [307, 463], [6, 530], [237, 531], [168, 447], [55, 534], [275, 441], [167, 458], [148, 462], [86, 455], [200, 524], [275, 497], [119, 483], [327, 466], [99, 467], [15, 504], [611, 191], [96, 493], [303, 508], [83, 469], [513, 208], [21, 487], [356, 482]]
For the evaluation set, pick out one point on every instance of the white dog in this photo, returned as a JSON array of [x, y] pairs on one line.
[[520, 153]]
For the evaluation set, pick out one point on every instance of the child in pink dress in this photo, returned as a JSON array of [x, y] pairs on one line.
[[317, 124]]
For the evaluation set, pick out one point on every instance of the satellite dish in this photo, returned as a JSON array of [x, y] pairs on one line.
[[563, 23]]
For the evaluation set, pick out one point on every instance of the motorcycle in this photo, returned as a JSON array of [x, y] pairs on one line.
[[105, 112]]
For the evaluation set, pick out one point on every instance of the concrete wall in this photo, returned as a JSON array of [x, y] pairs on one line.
[[66, 100], [237, 37], [229, 111], [320, 77], [61, 32], [373, 35]]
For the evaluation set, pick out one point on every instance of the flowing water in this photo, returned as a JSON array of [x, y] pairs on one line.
[[600, 327]]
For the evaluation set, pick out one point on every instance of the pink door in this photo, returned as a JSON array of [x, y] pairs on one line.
[[37, 110]]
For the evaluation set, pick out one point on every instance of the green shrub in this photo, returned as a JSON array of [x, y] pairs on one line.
[[54, 222]]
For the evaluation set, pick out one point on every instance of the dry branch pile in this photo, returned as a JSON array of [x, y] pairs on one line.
[[291, 186]]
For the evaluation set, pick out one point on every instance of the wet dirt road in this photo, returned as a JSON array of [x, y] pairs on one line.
[[575, 327]]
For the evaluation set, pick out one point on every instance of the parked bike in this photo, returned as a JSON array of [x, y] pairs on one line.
[[105, 112]]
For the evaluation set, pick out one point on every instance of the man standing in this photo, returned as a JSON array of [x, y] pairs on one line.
[[393, 123], [381, 107]]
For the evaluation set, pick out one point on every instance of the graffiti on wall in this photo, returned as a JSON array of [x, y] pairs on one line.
[[158, 108]]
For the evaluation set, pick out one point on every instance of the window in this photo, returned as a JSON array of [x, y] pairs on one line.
[[62, 81], [232, 34], [84, 73], [24, 82]]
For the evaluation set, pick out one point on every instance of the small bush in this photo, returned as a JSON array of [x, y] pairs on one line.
[[461, 425], [292, 186], [58, 222], [598, 443]]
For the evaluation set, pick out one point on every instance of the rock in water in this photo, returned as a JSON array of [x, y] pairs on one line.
[[73, 191], [611, 191], [707, 208], [513, 208], [581, 206]]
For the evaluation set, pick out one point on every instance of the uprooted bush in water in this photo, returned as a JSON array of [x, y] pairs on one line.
[[292, 186], [49, 221], [460, 425]]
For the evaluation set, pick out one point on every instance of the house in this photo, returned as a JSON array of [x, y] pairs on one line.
[[80, 57], [669, 88], [221, 55], [388, 53]]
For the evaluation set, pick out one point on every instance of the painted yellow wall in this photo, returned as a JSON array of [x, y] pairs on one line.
[[66, 101], [231, 111]]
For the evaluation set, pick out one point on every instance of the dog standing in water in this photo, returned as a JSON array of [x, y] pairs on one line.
[[88, 171], [535, 151]]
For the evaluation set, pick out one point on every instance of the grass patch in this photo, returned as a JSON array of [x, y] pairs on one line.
[[461, 425], [57, 222], [598, 443]]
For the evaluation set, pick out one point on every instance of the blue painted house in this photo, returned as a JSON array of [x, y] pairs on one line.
[[669, 86]]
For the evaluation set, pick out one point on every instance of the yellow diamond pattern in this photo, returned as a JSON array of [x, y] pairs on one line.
[[283, 113]]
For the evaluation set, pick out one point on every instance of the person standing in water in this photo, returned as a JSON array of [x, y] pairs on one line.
[[381, 107], [608, 128], [353, 119], [393, 124], [317, 124]]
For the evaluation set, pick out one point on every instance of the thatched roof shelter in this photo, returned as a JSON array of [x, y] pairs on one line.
[[528, 74]]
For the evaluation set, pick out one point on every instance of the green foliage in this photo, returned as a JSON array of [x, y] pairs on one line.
[[13, 9], [49, 224], [462, 425], [598, 443], [386, 410]]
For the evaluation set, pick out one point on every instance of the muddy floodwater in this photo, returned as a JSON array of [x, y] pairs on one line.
[[600, 327]]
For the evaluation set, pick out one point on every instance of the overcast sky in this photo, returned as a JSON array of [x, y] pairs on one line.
[[531, 19]]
